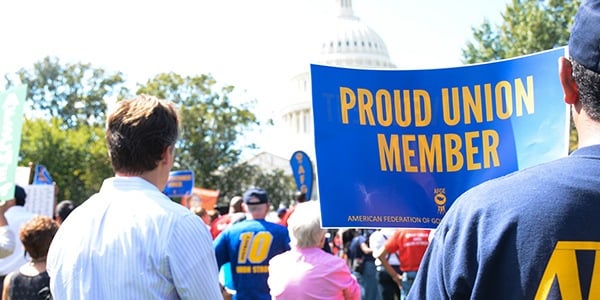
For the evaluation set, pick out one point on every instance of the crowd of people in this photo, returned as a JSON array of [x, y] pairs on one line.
[[266, 259], [24, 242], [522, 236], [150, 247]]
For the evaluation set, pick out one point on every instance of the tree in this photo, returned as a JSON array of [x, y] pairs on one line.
[[64, 128], [528, 26], [279, 187], [235, 180], [211, 123], [76, 158], [76, 93]]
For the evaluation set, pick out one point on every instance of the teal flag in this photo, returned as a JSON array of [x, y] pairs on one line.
[[11, 121]]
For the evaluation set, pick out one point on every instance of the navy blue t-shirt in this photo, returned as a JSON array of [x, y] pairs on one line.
[[248, 246], [356, 252], [532, 234]]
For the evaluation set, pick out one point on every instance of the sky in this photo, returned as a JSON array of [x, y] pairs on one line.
[[256, 46]]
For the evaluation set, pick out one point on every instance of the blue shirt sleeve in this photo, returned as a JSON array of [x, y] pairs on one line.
[[221, 246]]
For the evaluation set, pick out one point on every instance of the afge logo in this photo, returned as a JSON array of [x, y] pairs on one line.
[[439, 197], [563, 268]]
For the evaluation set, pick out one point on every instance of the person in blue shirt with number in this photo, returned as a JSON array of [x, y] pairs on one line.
[[249, 245]]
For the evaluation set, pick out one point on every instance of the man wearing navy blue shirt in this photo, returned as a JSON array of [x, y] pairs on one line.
[[249, 245], [535, 233]]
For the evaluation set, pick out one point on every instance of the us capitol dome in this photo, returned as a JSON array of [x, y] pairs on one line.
[[345, 41]]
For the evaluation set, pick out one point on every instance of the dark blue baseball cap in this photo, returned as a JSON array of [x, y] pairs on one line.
[[584, 42], [255, 196]]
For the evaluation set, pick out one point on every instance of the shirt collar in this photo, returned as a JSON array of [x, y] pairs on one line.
[[593, 150], [127, 182]]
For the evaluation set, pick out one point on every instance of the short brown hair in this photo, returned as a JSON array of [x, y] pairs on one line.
[[37, 234], [139, 131], [199, 211]]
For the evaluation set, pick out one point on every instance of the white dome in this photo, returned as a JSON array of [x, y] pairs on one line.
[[346, 41], [343, 41]]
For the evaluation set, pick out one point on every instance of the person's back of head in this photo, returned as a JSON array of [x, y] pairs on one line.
[[139, 131], [235, 205], [281, 212], [584, 52], [304, 226], [20, 195], [202, 213], [37, 234], [300, 197], [199, 211], [214, 214], [347, 236], [256, 202], [63, 209]]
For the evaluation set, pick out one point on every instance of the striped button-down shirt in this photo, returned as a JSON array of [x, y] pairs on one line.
[[130, 241]]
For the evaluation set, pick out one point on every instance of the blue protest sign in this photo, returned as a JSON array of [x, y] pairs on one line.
[[180, 183], [41, 175], [395, 148], [303, 172]]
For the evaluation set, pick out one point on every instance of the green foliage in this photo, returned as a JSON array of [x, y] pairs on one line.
[[76, 158], [210, 123], [211, 126], [279, 187], [64, 130], [75, 93], [66, 133], [528, 26], [235, 180]]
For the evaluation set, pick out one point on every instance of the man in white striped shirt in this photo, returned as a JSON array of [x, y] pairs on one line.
[[130, 241]]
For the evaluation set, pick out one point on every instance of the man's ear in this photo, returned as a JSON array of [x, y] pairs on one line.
[[565, 74], [168, 154]]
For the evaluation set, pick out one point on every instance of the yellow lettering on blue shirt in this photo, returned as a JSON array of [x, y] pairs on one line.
[[563, 268]]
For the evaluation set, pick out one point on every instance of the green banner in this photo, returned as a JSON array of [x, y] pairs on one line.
[[11, 121]]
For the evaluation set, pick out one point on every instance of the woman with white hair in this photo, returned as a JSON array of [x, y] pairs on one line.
[[306, 271]]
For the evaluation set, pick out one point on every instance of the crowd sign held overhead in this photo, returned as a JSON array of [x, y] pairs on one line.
[[180, 183], [395, 148], [12, 103], [303, 172], [42, 175]]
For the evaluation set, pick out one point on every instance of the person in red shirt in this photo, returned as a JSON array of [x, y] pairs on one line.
[[410, 246], [281, 212], [299, 197], [236, 214]]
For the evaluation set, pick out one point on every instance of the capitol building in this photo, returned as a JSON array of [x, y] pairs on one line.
[[344, 41]]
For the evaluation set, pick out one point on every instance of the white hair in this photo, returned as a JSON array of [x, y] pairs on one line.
[[304, 225]]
